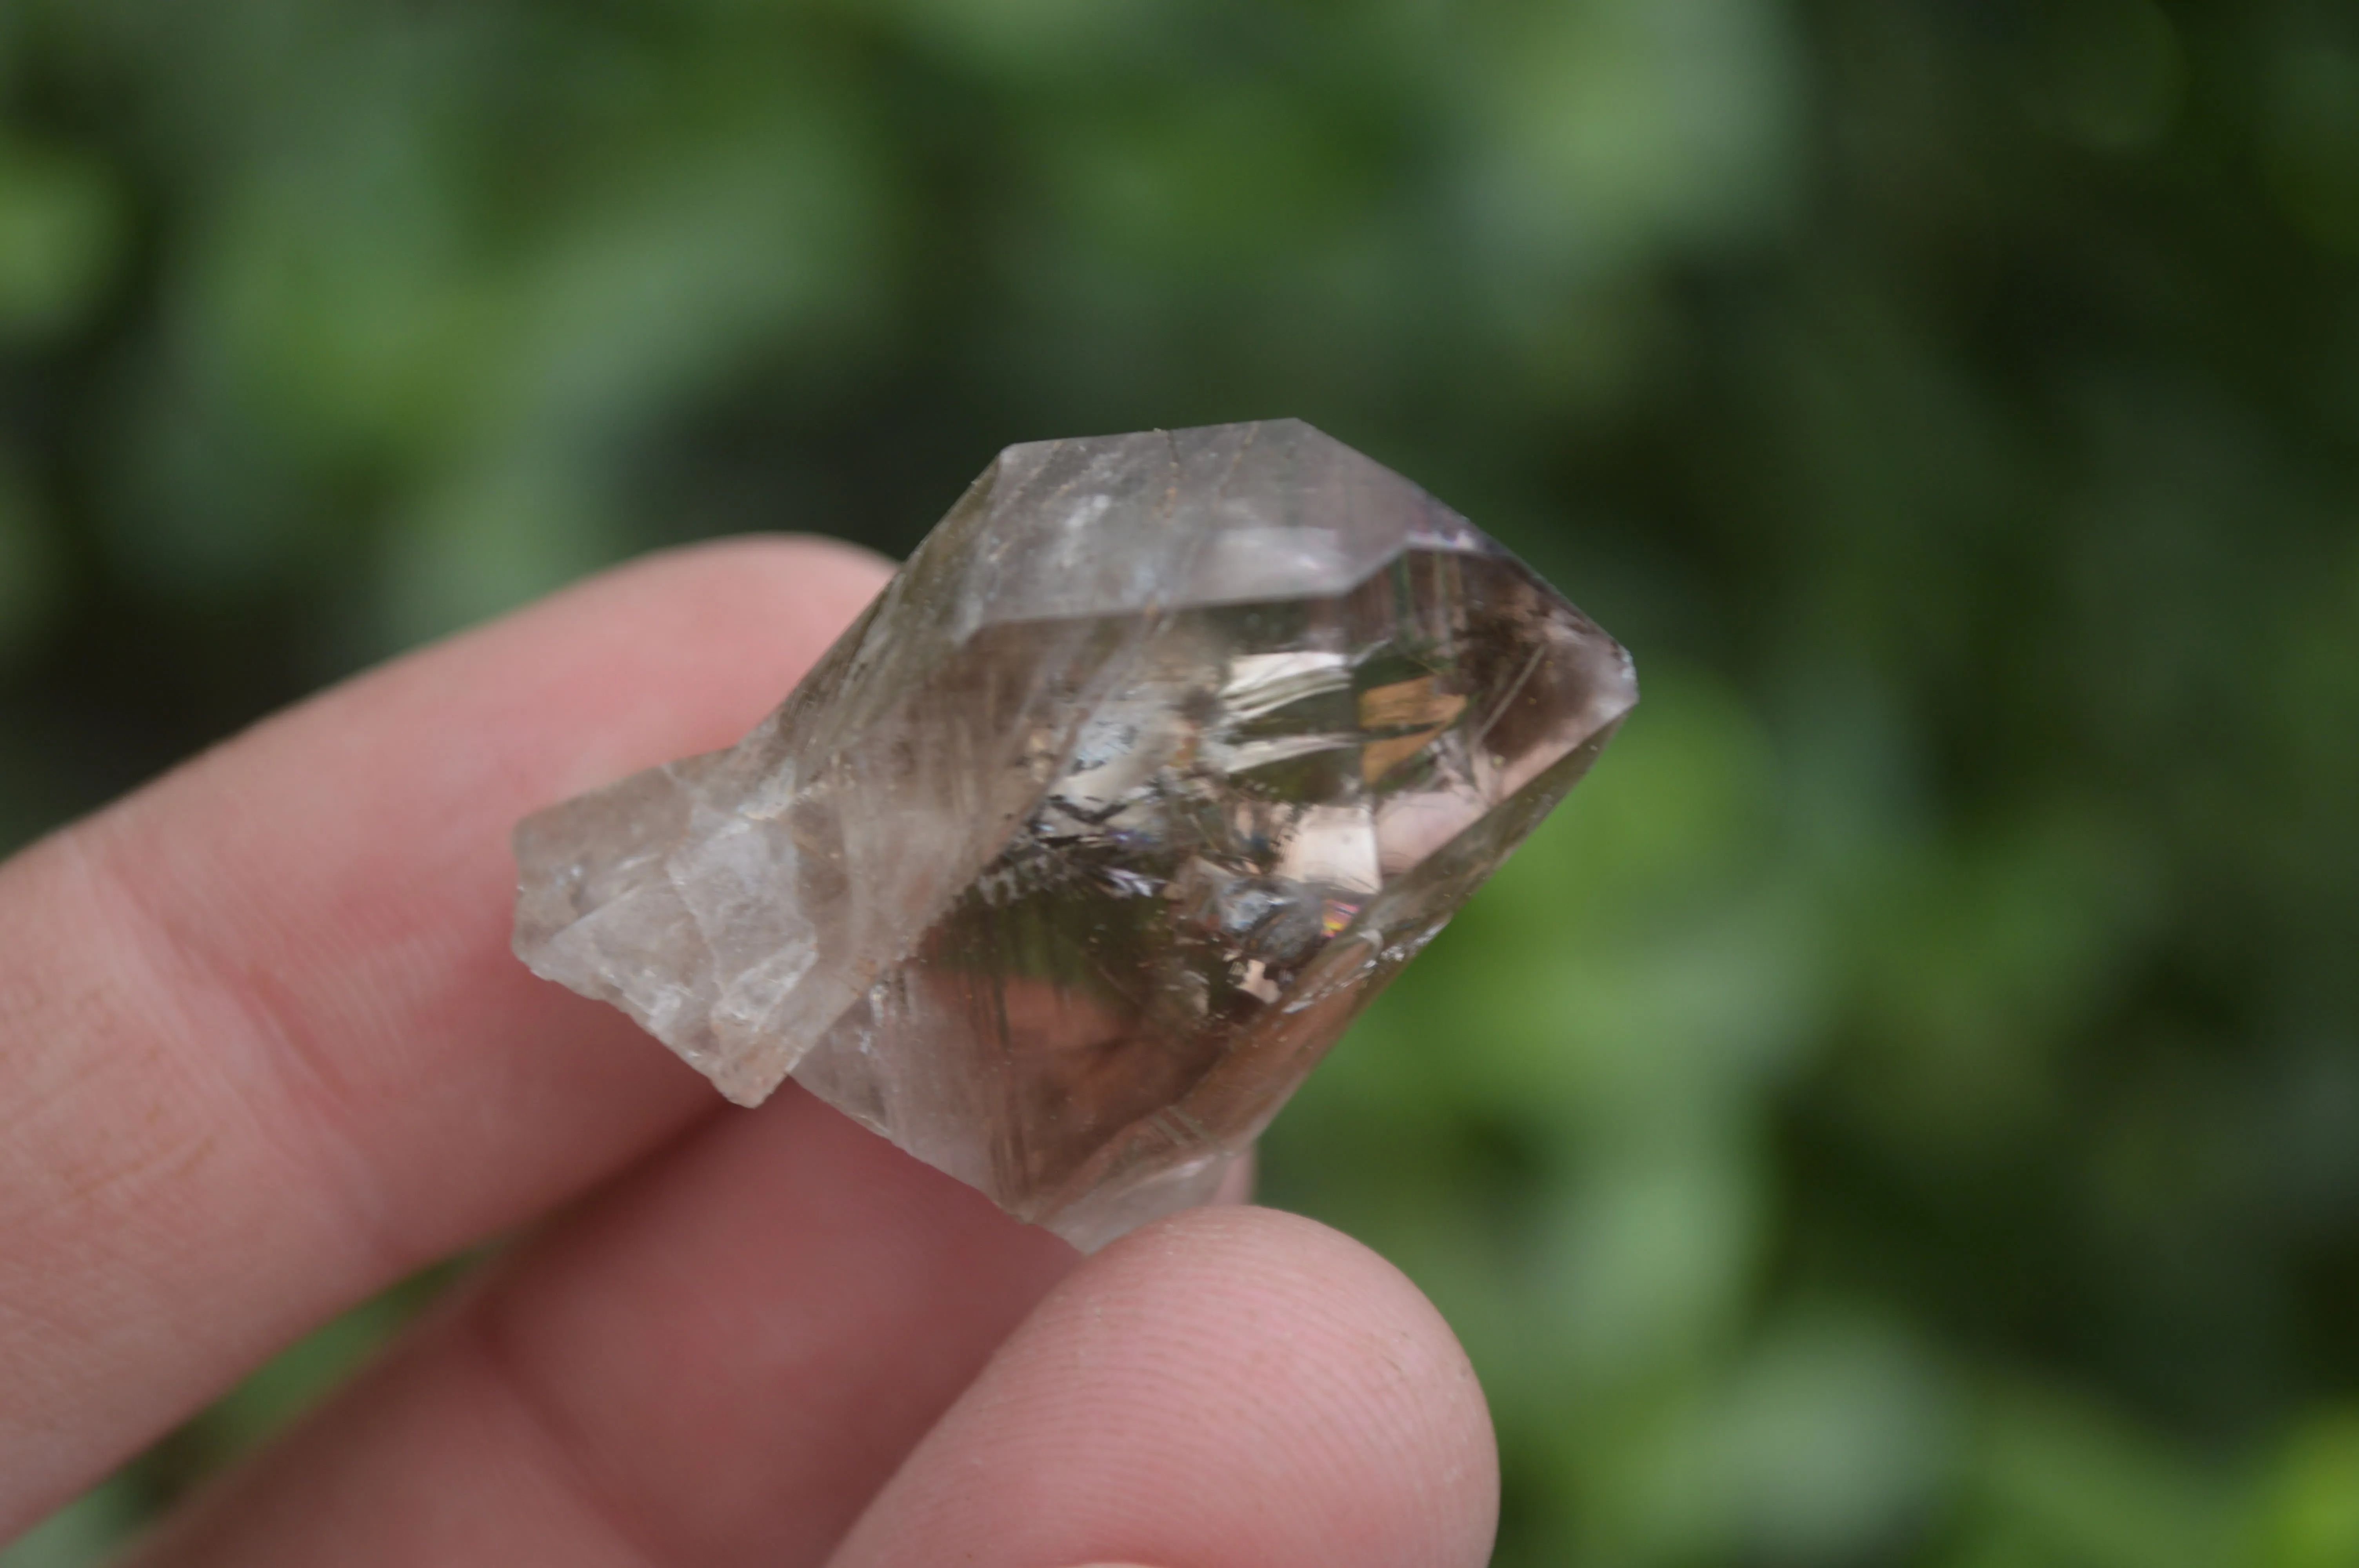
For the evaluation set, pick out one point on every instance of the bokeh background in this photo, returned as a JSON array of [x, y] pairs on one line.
[[1905, 1109]]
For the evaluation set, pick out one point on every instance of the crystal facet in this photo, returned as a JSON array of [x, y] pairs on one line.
[[1160, 756]]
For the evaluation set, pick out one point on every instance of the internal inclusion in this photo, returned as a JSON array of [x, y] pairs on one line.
[[1168, 854]]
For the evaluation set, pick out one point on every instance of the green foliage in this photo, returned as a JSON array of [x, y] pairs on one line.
[[1905, 1108]]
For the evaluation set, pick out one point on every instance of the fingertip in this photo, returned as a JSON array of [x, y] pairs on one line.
[[821, 561], [1313, 1330], [1390, 1357], [1236, 1353]]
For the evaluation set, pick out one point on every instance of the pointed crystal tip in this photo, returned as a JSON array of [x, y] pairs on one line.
[[1070, 860]]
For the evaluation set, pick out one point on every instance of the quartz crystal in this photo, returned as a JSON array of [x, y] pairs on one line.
[[1160, 756]]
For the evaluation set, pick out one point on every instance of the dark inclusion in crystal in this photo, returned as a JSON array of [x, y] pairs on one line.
[[1162, 754]]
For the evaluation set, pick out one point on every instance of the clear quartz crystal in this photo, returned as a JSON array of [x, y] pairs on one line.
[[1161, 755]]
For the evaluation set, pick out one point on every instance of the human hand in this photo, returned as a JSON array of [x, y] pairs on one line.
[[263, 1050]]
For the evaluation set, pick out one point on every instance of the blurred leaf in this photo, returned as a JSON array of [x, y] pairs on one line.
[[61, 234], [1836, 1440], [2072, 1483], [486, 542], [1655, 1262], [1613, 124], [2310, 1517]]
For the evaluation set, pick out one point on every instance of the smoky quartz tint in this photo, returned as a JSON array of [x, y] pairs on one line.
[[1074, 854]]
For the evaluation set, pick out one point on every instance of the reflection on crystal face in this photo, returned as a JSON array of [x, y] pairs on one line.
[[1162, 754]]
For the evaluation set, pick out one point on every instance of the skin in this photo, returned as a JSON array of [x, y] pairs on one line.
[[265, 1053]]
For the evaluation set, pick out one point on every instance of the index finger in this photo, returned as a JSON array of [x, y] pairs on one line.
[[264, 1046]]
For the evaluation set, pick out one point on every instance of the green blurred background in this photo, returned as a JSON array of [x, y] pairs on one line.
[[1905, 1108]]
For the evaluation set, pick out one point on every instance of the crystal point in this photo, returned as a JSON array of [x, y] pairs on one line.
[[1157, 759]]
